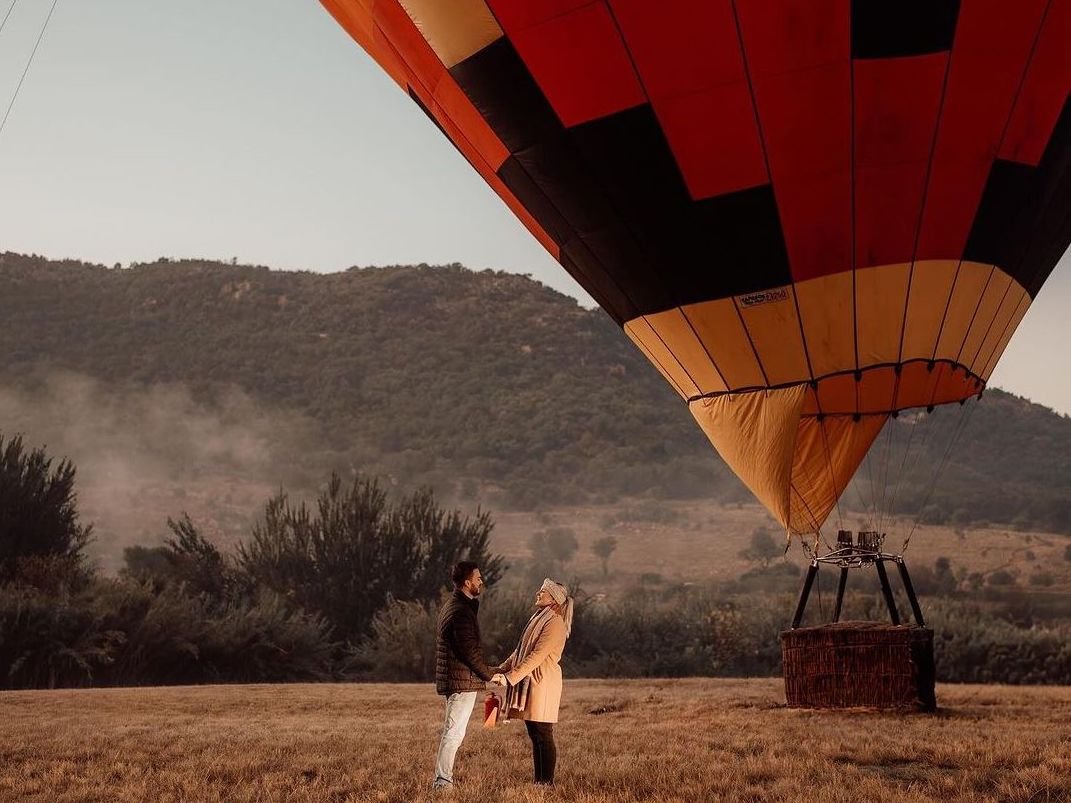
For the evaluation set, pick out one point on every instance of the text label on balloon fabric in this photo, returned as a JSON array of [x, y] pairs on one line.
[[763, 297]]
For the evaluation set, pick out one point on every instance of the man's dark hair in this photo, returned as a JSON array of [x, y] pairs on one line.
[[462, 572]]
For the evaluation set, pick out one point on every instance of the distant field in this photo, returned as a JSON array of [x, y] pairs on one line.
[[702, 541], [689, 740]]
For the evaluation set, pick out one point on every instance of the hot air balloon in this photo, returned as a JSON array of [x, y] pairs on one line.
[[809, 215]]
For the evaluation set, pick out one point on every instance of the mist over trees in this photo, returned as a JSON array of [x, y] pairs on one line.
[[293, 602]]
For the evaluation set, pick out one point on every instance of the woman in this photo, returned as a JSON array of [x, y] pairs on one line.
[[534, 677]]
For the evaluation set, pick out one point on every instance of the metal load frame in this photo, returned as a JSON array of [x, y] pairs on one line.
[[865, 551]]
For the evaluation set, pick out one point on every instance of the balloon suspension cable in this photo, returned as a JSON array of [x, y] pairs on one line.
[[832, 474], [960, 428], [903, 464], [821, 607], [863, 507], [29, 61], [911, 462], [8, 14], [872, 510], [814, 519], [882, 510]]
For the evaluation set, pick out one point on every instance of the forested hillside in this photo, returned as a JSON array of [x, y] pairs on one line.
[[488, 386]]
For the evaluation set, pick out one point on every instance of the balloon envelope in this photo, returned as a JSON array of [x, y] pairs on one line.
[[808, 214]]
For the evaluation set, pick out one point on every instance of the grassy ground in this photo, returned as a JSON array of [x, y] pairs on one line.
[[690, 740]]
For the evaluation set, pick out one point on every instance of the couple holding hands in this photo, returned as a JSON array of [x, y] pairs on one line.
[[529, 682]]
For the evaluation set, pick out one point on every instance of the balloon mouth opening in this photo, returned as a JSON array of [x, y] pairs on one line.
[[882, 390]]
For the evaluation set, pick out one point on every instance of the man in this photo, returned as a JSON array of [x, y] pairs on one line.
[[460, 669]]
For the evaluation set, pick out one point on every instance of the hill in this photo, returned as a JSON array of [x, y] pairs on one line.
[[226, 381]]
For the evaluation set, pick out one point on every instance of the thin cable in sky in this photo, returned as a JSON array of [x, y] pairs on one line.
[[8, 14], [29, 61]]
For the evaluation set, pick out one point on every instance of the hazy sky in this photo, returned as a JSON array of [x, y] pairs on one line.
[[257, 129]]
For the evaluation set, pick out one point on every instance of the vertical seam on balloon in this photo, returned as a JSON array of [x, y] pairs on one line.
[[740, 316], [1042, 262], [1000, 143], [969, 365], [628, 53], [552, 17], [1012, 269], [658, 364], [974, 315], [687, 373], [754, 350], [855, 260], [1022, 80], [981, 366], [602, 191], [1062, 228], [1005, 338], [769, 177], [606, 272], [944, 315], [926, 183], [647, 95], [710, 356]]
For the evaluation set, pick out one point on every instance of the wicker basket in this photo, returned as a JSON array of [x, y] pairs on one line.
[[851, 664]]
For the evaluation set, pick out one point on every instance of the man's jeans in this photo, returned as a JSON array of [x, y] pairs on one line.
[[458, 710]]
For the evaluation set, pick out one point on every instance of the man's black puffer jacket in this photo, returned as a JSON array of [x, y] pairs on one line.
[[459, 663]]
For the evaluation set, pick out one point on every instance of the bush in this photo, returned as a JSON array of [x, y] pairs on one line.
[[972, 646], [120, 632], [401, 647], [47, 641], [1001, 577], [690, 633]]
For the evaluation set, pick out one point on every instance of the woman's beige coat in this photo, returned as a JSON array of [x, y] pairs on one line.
[[541, 664]]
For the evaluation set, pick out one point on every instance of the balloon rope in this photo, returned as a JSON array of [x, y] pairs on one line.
[[890, 425], [884, 473], [8, 14], [29, 61], [868, 506], [958, 431], [832, 473], [814, 519], [903, 462], [873, 490], [922, 449]]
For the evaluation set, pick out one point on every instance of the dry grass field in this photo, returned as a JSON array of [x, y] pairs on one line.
[[691, 740]]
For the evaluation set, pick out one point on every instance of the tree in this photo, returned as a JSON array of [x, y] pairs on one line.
[[762, 547], [603, 548], [188, 559], [38, 513], [945, 581], [557, 543], [358, 550]]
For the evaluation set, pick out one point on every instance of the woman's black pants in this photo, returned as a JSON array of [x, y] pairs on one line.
[[544, 753]]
